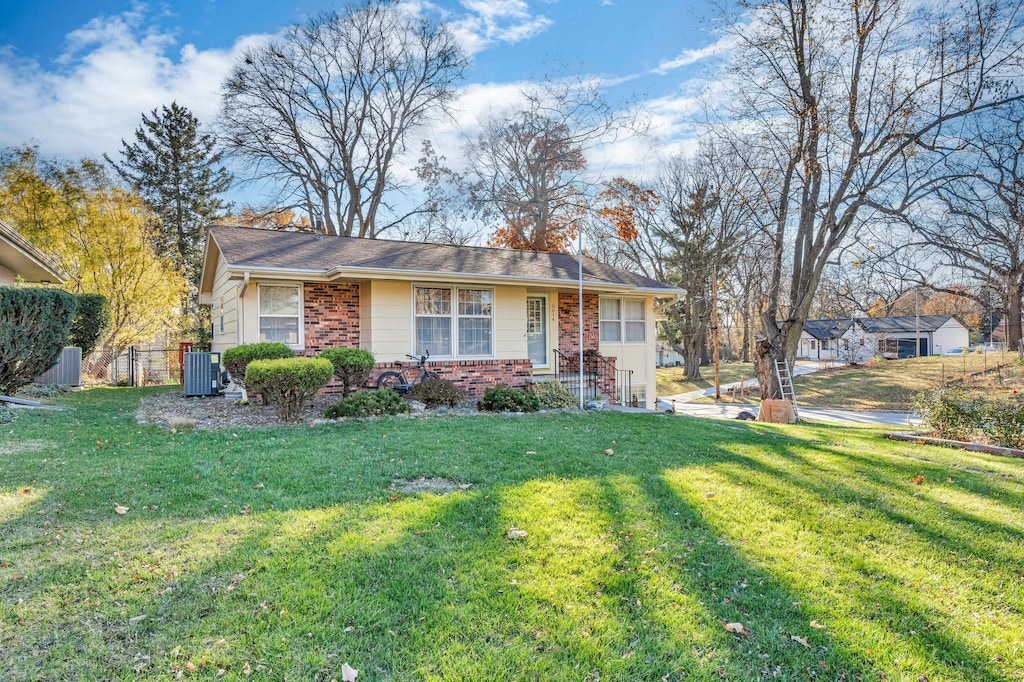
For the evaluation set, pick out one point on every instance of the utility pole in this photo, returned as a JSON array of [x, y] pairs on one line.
[[714, 329]]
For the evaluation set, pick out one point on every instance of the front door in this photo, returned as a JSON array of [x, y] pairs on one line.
[[537, 330]]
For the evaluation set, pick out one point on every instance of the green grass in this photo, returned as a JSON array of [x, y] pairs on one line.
[[629, 572], [893, 384], [672, 380]]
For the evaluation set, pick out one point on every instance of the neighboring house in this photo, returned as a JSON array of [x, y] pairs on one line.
[[669, 357], [19, 259], [487, 316], [823, 339], [864, 337]]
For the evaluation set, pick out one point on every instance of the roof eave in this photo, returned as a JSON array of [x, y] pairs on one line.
[[432, 275]]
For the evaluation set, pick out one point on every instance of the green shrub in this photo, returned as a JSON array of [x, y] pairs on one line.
[[43, 390], [352, 366], [554, 394], [438, 393], [368, 404], [288, 383], [1004, 421], [508, 399], [91, 322], [7, 415], [237, 359], [34, 326], [950, 413]]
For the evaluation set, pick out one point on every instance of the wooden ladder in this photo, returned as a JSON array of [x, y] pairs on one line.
[[785, 378]]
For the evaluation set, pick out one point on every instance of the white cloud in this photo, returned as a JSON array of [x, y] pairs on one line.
[[496, 21], [112, 70], [688, 57]]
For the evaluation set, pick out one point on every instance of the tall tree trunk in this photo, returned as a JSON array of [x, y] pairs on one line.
[[1013, 310]]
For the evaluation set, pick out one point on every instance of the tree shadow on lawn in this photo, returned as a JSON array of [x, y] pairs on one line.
[[624, 574], [892, 586]]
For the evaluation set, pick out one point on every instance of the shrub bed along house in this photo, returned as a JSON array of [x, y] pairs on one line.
[[368, 403], [237, 359], [554, 394], [438, 393], [352, 366], [288, 383], [508, 399]]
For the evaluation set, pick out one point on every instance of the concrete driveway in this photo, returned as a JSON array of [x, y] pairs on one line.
[[730, 411]]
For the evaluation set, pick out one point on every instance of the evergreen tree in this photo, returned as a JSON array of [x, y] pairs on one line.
[[177, 170]]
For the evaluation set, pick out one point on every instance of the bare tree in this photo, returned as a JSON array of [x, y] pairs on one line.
[[849, 100], [529, 169], [324, 113], [978, 224]]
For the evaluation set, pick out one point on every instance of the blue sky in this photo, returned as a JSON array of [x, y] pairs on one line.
[[76, 75]]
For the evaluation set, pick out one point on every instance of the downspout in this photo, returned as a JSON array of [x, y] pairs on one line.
[[239, 303]]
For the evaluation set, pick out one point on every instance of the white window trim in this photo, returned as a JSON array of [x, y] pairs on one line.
[[301, 345], [547, 328], [622, 320], [454, 317]]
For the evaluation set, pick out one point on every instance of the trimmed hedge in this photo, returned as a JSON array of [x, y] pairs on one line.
[[288, 383], [91, 322], [438, 393], [508, 399], [34, 327], [352, 366], [368, 404], [237, 359], [555, 394]]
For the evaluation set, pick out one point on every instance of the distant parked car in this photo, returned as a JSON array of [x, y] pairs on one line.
[[955, 351]]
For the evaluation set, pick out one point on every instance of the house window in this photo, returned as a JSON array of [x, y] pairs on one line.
[[279, 308], [814, 345], [622, 320], [824, 344], [442, 328]]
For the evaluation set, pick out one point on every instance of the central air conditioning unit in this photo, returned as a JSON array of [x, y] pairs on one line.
[[202, 374]]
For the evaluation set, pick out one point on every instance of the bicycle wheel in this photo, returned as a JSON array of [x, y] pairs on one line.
[[392, 380], [426, 376]]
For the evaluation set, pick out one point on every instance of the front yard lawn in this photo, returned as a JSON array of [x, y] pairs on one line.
[[672, 380], [281, 554]]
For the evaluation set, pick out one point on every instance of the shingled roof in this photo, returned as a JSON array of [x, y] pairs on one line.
[[304, 253], [21, 257], [827, 329], [903, 324]]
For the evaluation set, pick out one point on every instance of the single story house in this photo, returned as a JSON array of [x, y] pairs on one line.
[[669, 356], [823, 339], [486, 315], [20, 259], [864, 337]]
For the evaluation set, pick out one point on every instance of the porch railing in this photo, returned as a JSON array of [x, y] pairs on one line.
[[600, 377]]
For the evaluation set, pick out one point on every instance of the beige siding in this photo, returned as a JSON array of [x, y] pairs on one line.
[[225, 303], [639, 357], [391, 330], [510, 323], [6, 276]]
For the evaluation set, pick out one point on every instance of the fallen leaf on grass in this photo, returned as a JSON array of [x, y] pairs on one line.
[[26, 491], [800, 640], [709, 495], [737, 628], [247, 669], [348, 673], [816, 625], [609, 452], [121, 509], [259, 486], [918, 480], [516, 533], [531, 452]]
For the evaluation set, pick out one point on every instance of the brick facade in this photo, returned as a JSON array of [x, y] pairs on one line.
[[569, 322], [331, 312], [475, 377]]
